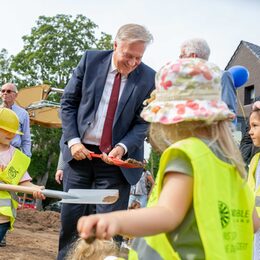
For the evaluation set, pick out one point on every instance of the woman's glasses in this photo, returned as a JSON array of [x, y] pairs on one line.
[[8, 91]]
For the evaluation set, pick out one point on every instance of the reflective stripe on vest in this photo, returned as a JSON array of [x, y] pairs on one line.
[[257, 201], [223, 205], [251, 180], [5, 203], [139, 244], [8, 203]]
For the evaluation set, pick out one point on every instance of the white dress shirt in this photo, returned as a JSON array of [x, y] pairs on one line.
[[95, 130]]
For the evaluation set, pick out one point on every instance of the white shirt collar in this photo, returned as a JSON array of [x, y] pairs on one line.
[[112, 68]]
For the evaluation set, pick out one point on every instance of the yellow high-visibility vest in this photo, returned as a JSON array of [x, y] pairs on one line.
[[223, 205], [12, 174], [252, 181]]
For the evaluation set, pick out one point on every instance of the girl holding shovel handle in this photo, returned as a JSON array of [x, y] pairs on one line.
[[13, 170]]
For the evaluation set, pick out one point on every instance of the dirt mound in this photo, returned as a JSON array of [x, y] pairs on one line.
[[34, 220], [35, 236]]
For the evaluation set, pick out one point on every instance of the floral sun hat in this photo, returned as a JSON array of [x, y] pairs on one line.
[[187, 90]]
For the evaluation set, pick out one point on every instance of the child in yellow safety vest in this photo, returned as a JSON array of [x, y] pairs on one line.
[[254, 167], [13, 170], [200, 206]]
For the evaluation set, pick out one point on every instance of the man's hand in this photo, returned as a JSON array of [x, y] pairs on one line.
[[80, 152], [116, 152], [59, 176]]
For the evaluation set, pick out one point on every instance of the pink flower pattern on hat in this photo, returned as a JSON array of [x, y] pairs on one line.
[[187, 90]]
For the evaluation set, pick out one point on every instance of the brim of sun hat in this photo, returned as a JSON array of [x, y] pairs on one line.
[[173, 112], [11, 130]]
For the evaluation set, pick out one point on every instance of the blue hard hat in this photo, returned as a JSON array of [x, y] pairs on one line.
[[240, 75]]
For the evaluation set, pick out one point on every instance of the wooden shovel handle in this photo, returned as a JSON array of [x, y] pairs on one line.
[[18, 188]]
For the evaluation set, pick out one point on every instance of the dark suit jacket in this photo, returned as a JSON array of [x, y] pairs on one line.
[[81, 98]]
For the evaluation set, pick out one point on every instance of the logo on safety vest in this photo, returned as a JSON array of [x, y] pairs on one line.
[[12, 172], [224, 214]]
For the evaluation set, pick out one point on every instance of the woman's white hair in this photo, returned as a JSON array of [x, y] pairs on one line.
[[197, 46]]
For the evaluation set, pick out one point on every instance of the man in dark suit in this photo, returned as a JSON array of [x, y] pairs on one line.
[[85, 105]]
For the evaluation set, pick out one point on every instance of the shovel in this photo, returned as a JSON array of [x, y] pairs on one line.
[[121, 163], [77, 196]]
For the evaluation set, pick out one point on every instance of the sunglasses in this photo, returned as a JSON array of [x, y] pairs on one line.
[[8, 91]]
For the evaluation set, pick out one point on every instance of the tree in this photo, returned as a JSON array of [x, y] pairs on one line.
[[49, 55], [5, 70], [54, 47]]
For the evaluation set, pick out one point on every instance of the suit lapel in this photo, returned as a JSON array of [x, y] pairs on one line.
[[101, 73], [128, 89]]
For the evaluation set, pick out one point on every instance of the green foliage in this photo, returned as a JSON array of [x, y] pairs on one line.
[[54, 48], [45, 150], [50, 53], [153, 163], [5, 71]]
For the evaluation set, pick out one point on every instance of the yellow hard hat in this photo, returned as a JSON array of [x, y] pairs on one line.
[[9, 121]]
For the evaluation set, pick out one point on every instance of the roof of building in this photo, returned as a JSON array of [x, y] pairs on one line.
[[255, 49]]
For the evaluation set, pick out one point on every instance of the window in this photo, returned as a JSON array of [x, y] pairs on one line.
[[249, 95]]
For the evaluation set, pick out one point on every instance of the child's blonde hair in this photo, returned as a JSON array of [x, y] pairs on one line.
[[162, 136], [97, 250]]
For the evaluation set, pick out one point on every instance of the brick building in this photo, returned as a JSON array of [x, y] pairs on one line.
[[247, 54]]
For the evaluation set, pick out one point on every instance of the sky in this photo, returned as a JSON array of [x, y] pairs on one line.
[[222, 23]]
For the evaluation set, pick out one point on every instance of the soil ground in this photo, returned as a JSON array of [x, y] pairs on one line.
[[35, 236]]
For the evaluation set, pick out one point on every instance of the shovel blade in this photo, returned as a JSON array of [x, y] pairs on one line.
[[92, 196]]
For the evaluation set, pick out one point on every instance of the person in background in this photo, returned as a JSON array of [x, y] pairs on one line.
[[100, 112], [60, 168], [8, 94], [135, 204], [254, 168], [247, 148], [13, 170], [199, 48], [200, 183], [141, 190]]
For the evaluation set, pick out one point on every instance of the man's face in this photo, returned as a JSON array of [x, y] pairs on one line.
[[127, 56], [8, 94]]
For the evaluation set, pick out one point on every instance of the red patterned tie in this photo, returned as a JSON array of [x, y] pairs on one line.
[[106, 139]]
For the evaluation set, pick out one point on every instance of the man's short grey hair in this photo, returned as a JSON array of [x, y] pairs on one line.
[[134, 33], [12, 85], [198, 46]]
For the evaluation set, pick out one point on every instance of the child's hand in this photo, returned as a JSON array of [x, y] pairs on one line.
[[38, 194], [102, 226]]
